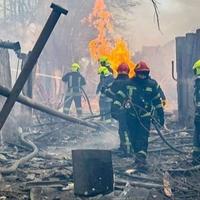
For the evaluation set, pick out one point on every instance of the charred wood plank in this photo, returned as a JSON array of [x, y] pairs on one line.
[[55, 183], [140, 184]]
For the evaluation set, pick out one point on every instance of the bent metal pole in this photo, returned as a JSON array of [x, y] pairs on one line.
[[35, 105], [31, 61]]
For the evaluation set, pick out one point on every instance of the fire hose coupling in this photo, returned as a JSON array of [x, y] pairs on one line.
[[127, 104], [59, 9]]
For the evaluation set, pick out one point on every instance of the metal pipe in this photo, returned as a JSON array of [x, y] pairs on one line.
[[29, 102], [31, 61], [10, 45]]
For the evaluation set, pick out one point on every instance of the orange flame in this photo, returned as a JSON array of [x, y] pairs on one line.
[[105, 44]]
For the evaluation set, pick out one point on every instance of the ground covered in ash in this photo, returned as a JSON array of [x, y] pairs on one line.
[[48, 175]]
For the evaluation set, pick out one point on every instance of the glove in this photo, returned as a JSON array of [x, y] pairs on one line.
[[164, 103]]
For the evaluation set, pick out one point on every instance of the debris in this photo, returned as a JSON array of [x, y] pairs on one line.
[[35, 194], [140, 184], [166, 185], [136, 193], [140, 177], [30, 177], [2, 158], [40, 184], [70, 186], [23, 160]]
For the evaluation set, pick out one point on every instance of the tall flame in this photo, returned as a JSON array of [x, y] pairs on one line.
[[106, 44]]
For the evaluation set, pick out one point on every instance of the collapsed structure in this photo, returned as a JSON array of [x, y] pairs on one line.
[[51, 176]]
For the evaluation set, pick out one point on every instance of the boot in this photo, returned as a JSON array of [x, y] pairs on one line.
[[141, 163], [196, 158]]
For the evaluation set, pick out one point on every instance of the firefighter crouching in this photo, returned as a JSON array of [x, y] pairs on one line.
[[74, 81], [120, 114], [196, 137], [106, 78], [140, 96]]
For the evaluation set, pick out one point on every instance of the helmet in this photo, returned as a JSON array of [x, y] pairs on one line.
[[103, 70], [75, 67], [196, 67], [141, 67], [103, 59], [123, 68]]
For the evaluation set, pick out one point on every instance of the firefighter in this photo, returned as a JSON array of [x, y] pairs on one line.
[[75, 81], [140, 96], [120, 115], [106, 79], [196, 137]]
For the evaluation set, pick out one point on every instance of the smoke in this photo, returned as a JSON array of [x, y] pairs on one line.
[[134, 20], [176, 18]]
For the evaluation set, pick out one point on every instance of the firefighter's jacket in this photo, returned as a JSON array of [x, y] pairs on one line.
[[105, 81], [74, 81], [197, 97], [112, 89], [140, 97]]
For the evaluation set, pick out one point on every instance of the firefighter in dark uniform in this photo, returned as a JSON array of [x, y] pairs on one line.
[[140, 96], [120, 115], [75, 81], [196, 137], [106, 78]]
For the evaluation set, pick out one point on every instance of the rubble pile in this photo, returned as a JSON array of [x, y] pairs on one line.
[[49, 174]]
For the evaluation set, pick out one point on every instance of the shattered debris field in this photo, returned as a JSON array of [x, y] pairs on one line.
[[40, 167]]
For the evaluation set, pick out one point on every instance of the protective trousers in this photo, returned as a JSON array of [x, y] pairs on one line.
[[123, 133], [68, 101], [138, 130], [105, 107], [196, 141]]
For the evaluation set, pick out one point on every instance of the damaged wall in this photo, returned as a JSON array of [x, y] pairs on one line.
[[9, 131], [187, 52]]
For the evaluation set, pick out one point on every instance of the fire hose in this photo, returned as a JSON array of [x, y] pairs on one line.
[[163, 138], [88, 101], [155, 123], [21, 161]]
